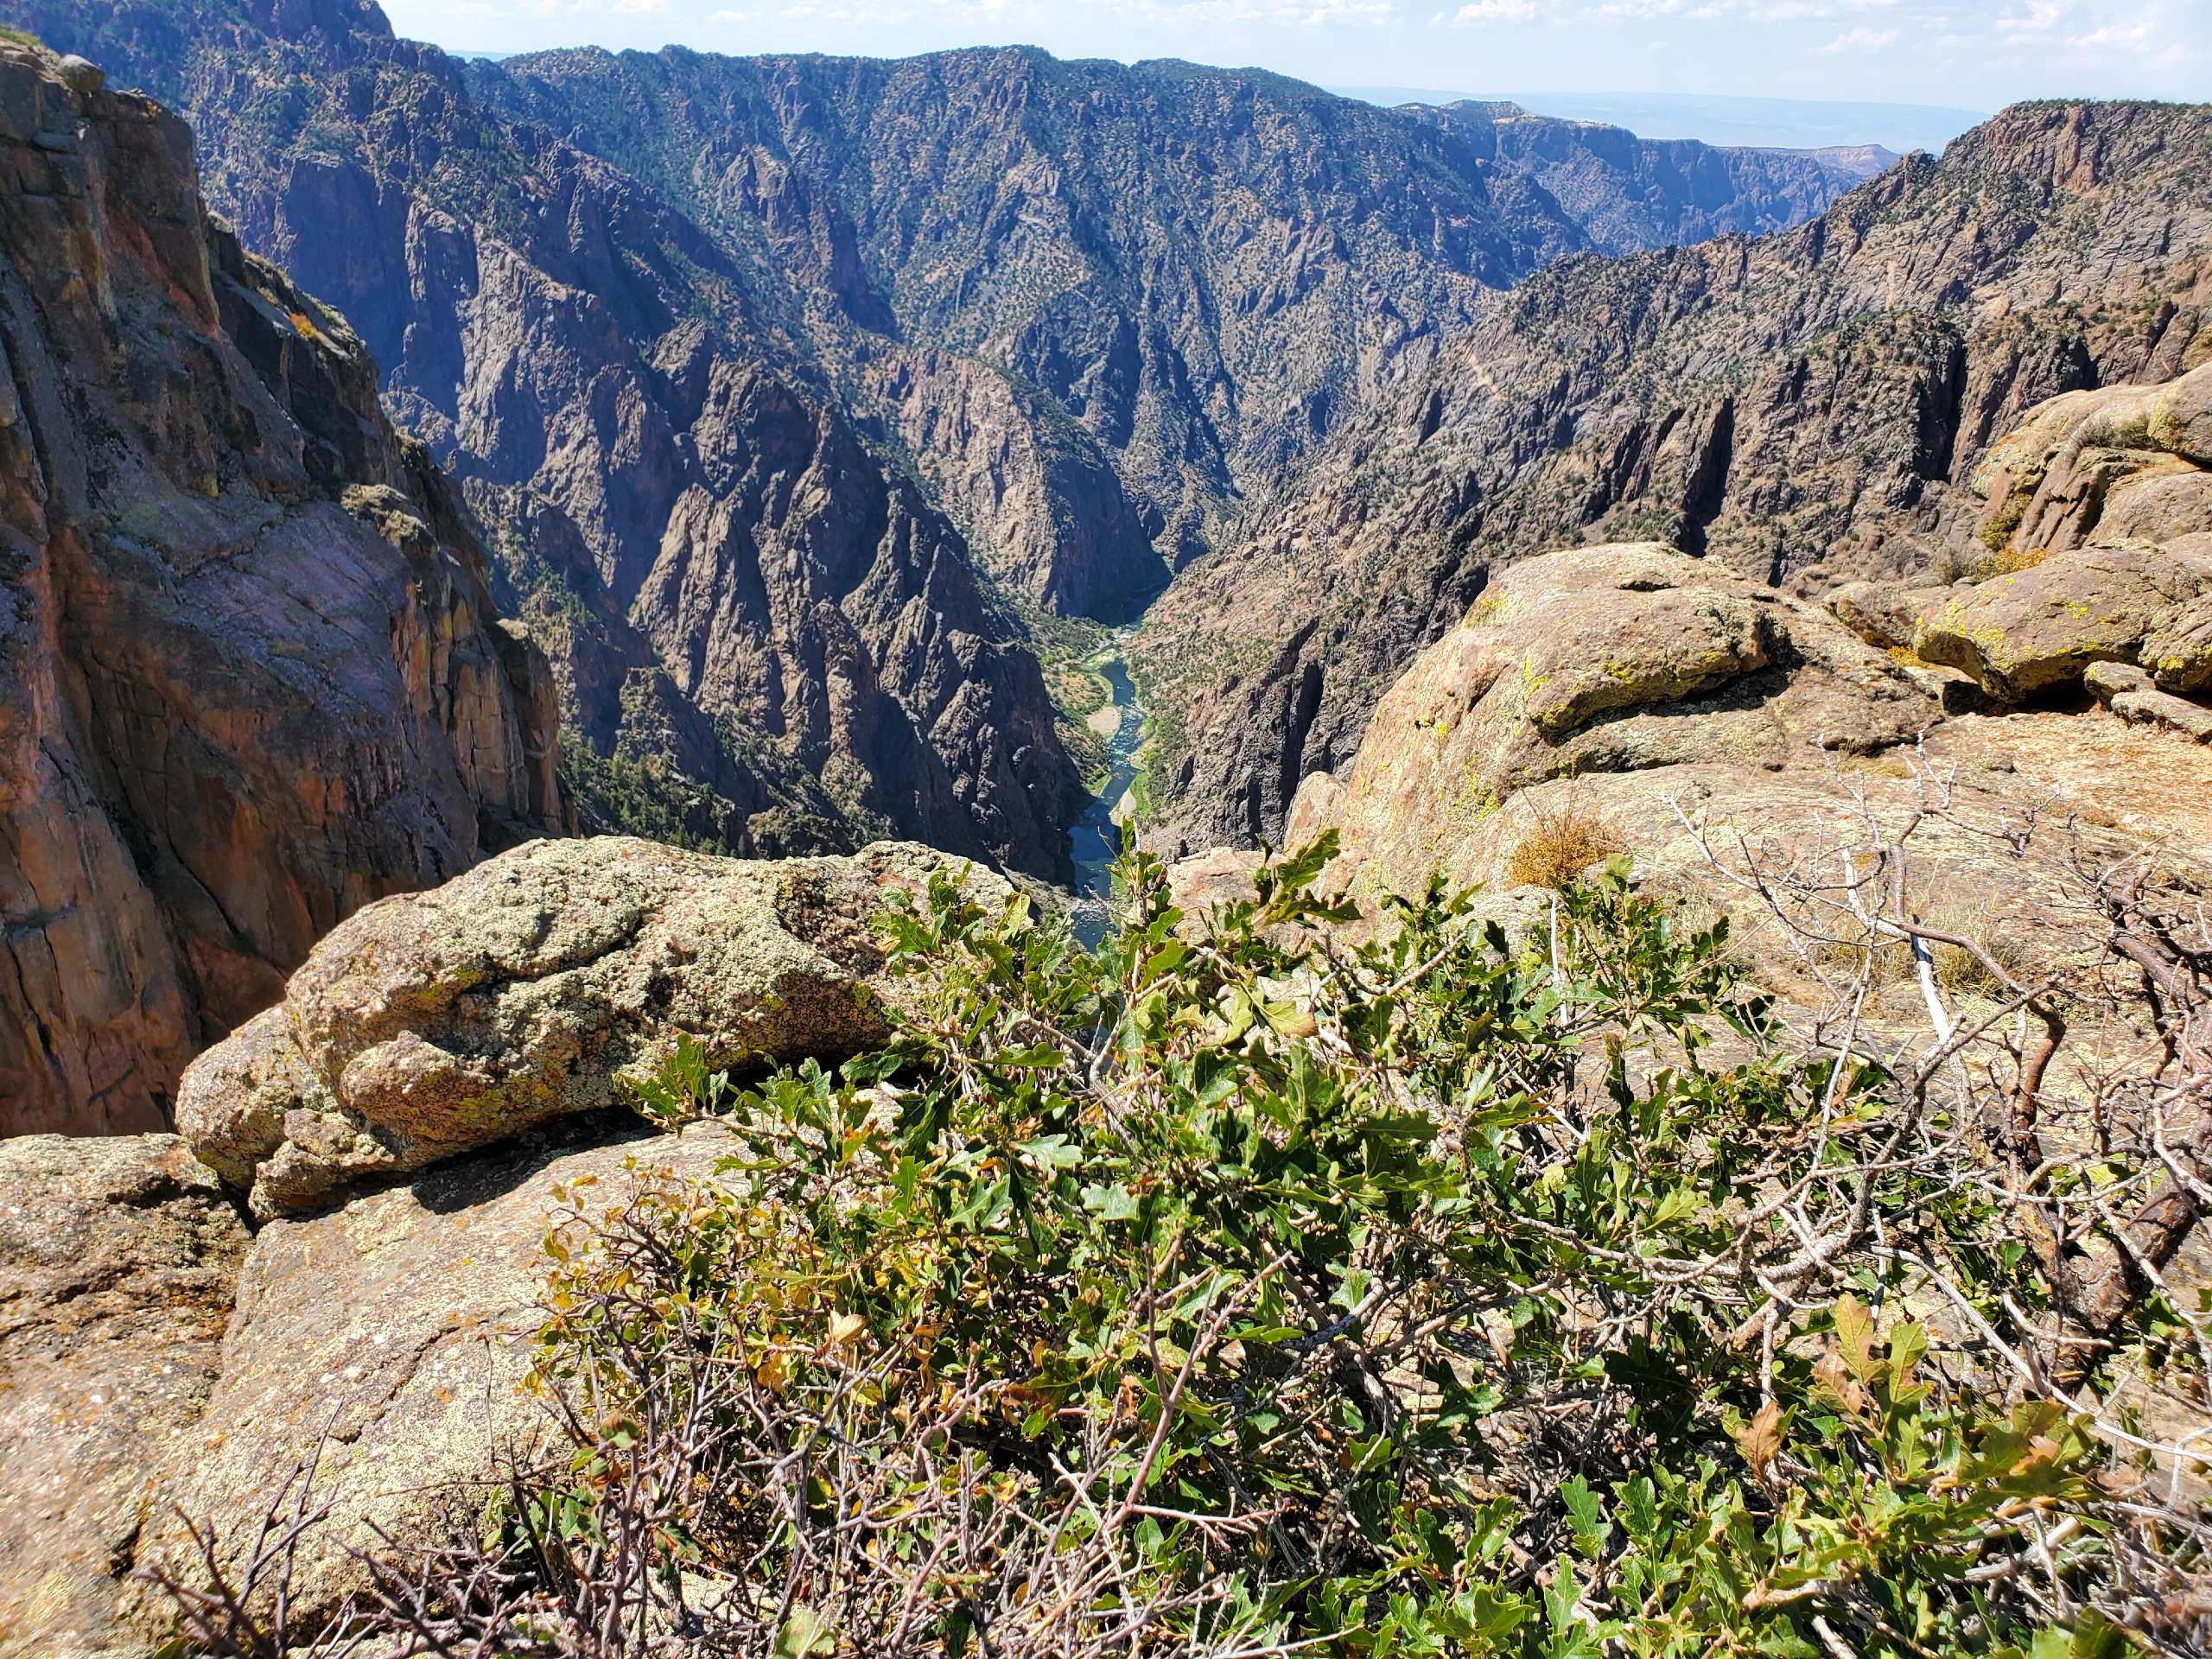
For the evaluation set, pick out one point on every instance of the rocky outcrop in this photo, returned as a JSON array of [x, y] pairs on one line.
[[2133, 696], [2031, 632], [532, 989], [2096, 545], [429, 1104], [251, 675], [2117, 463], [377, 1351], [1602, 661], [1808, 409], [1631, 700], [118, 1263]]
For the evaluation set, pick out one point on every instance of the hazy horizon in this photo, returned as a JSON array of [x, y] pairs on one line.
[[1956, 54]]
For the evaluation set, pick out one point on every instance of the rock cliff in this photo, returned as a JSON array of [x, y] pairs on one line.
[[1207, 269], [1806, 409], [801, 654], [977, 314], [251, 674]]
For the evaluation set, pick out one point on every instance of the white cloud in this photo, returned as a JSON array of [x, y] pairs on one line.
[[1862, 40], [1495, 11]]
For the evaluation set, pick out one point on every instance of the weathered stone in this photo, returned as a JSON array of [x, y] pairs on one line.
[[2105, 681], [81, 75], [1681, 634], [2192, 719], [1666, 662], [1883, 613], [118, 1259], [2106, 465], [2031, 632], [532, 988], [251, 673], [383, 1346], [2158, 505], [2181, 418]]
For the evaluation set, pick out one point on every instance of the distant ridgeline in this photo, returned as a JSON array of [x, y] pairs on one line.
[[800, 396]]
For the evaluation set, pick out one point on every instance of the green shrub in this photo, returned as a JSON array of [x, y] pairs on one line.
[[1409, 1299], [1238, 1290]]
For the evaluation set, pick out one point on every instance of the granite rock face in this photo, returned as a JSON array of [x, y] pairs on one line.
[[381, 1349], [1808, 409], [1602, 662], [793, 651], [119, 1258], [770, 369], [528, 990], [251, 674]]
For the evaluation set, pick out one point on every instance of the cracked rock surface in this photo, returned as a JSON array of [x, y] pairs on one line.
[[529, 989], [117, 1259], [250, 672], [385, 1344]]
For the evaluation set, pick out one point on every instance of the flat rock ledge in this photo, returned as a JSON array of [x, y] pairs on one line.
[[534, 988]]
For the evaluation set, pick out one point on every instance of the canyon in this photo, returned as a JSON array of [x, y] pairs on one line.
[[547, 605], [897, 363]]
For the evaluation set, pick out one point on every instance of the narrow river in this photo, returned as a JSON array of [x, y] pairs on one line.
[[1095, 840]]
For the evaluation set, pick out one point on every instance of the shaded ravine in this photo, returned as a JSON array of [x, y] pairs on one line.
[[1095, 841]]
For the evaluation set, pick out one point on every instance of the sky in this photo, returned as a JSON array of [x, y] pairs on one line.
[[1977, 53]]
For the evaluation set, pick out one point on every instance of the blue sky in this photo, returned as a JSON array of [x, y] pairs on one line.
[[1979, 53]]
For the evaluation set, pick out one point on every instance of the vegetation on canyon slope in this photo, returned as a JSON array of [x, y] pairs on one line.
[[1236, 1290]]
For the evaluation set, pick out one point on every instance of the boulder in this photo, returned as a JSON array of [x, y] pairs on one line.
[[1618, 658], [2105, 465], [1588, 665], [2180, 416], [2163, 708], [118, 1259], [2032, 632], [534, 988], [81, 75], [2159, 504], [381, 1349], [1687, 630], [1884, 613]]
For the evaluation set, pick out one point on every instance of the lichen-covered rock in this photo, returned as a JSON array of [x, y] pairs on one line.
[[251, 675], [2106, 465], [529, 989], [1601, 660], [117, 1259], [1684, 631], [2154, 707], [391, 1337], [1884, 613], [2031, 632]]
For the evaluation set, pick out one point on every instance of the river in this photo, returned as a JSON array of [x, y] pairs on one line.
[[1095, 841]]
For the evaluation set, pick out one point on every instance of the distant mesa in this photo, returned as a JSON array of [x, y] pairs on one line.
[[1753, 122]]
